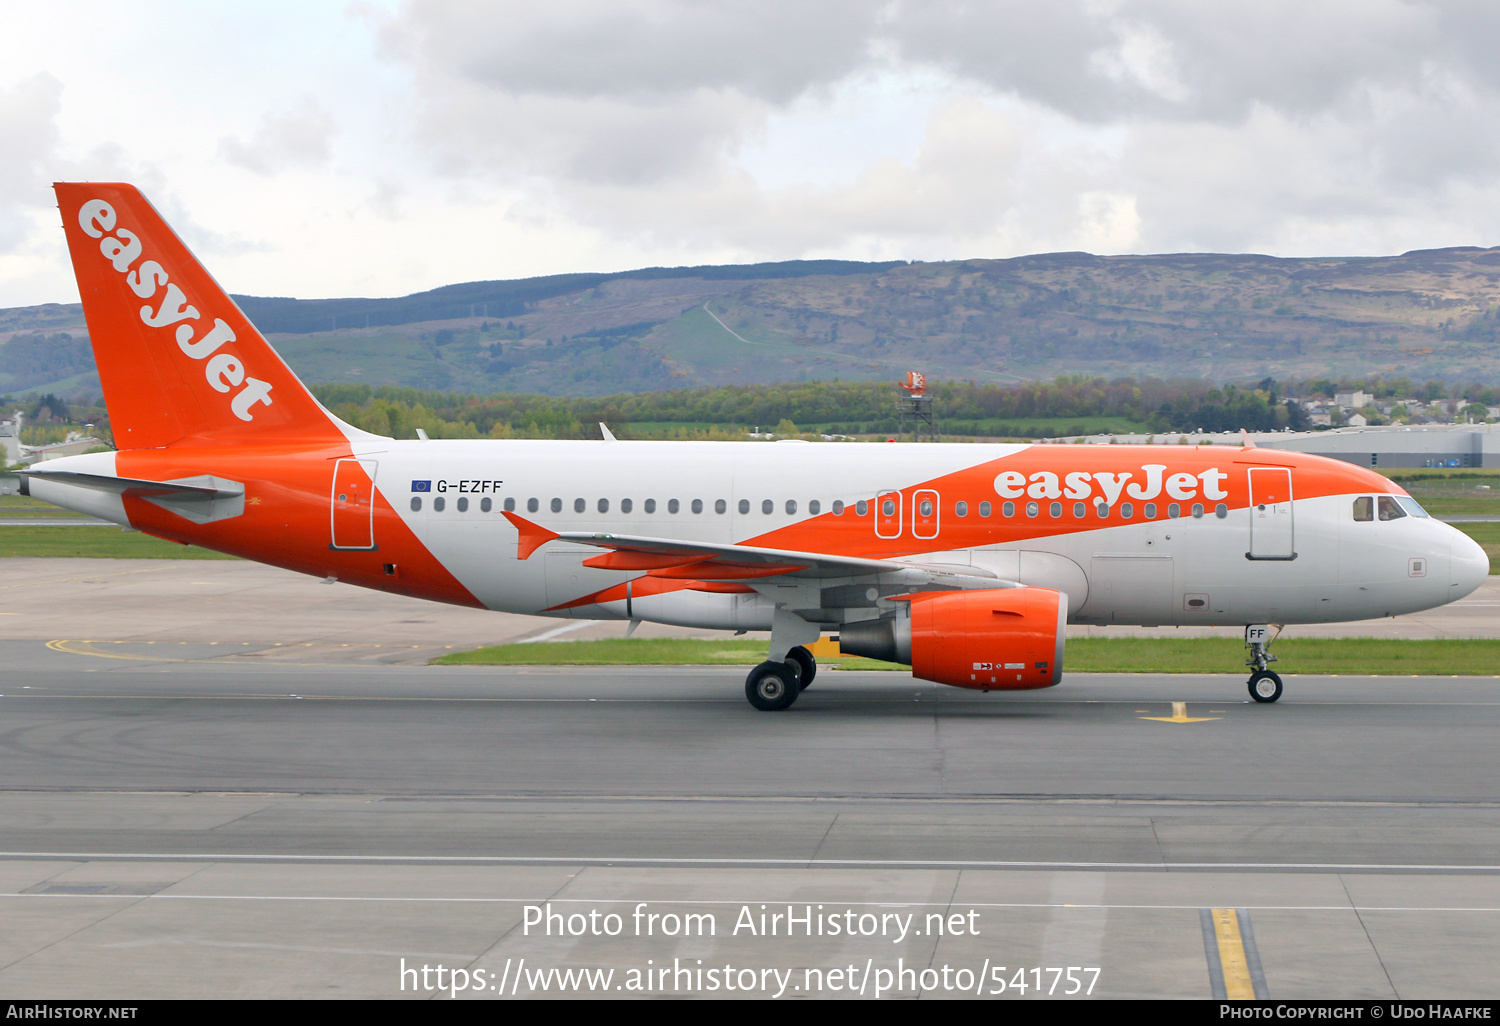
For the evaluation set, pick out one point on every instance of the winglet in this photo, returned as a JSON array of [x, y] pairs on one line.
[[532, 537], [1246, 440]]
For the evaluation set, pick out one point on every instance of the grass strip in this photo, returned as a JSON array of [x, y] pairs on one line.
[[1084, 655], [1488, 536], [95, 542]]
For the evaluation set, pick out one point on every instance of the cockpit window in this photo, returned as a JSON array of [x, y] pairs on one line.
[[1410, 505], [1364, 508], [1389, 510]]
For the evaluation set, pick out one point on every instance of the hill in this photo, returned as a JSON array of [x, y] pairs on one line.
[[1431, 314]]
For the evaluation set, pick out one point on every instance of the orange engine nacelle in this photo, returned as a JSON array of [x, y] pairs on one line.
[[1007, 638]]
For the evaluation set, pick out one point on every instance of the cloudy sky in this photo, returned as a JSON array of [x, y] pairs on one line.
[[380, 148]]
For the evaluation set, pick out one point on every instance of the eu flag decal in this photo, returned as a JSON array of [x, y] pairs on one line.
[[421, 486]]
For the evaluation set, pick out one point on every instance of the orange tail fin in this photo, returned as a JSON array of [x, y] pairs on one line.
[[177, 358]]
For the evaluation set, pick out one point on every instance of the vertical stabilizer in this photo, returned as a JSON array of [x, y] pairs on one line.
[[177, 358]]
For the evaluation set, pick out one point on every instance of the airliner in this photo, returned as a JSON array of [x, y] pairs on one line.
[[966, 561]]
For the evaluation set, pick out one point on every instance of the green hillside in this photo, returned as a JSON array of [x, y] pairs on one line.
[[1432, 314]]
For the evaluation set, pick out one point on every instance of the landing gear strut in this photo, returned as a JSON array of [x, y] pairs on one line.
[[1265, 685]]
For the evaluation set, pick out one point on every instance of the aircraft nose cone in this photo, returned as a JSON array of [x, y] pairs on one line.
[[1469, 566]]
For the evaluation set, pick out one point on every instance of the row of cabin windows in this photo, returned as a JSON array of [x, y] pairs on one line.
[[767, 506], [1080, 510], [887, 507]]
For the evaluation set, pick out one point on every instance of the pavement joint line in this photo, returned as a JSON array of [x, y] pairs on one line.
[[479, 900], [810, 799], [860, 701], [647, 860]]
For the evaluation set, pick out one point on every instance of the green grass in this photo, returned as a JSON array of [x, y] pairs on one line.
[[26, 506], [1084, 655], [1460, 507], [95, 542], [1487, 535]]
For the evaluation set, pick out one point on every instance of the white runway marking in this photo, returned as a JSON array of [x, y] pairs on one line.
[[597, 860]]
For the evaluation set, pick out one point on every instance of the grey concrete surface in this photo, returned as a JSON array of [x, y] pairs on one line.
[[268, 612], [175, 822], [275, 614]]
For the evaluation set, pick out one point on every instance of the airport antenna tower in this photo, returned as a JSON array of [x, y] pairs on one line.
[[914, 413]]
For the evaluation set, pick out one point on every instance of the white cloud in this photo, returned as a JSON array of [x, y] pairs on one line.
[[295, 138], [28, 124], [397, 146]]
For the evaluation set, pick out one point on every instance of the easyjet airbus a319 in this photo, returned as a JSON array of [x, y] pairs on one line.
[[966, 561]]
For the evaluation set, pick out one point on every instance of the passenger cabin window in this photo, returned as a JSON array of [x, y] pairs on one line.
[[603, 505], [1127, 510], [1221, 511], [838, 507], [1197, 511], [791, 505], [744, 506], [861, 507], [579, 505], [815, 507], [557, 505], [416, 503], [1055, 509], [673, 506], [1388, 508], [1080, 510], [626, 506], [697, 505], [1174, 511], [720, 505], [1150, 511], [1101, 510], [438, 503], [888, 507], [960, 509], [463, 504], [510, 504], [1031, 509], [485, 505], [531, 505], [649, 505], [766, 506], [984, 509]]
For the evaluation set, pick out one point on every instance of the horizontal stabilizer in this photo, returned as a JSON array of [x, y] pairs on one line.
[[203, 499]]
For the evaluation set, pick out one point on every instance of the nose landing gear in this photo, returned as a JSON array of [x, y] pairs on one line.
[[1265, 685]]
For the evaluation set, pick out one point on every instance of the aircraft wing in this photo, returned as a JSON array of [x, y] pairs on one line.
[[674, 558]]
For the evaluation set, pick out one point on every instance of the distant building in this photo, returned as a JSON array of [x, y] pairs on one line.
[[1356, 420], [72, 447], [1353, 400], [1430, 445], [10, 440]]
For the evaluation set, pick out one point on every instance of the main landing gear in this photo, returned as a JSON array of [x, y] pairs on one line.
[[773, 686], [1265, 685]]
